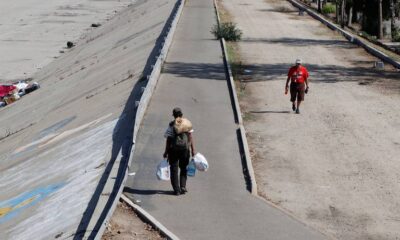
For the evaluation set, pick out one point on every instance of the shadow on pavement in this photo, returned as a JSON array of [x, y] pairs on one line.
[[245, 169], [279, 10], [195, 70], [269, 111], [147, 192], [302, 42], [318, 73]]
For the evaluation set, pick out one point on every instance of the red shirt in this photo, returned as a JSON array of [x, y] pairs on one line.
[[298, 74]]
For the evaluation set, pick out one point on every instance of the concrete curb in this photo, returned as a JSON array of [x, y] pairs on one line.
[[238, 115], [150, 219], [141, 109], [350, 37]]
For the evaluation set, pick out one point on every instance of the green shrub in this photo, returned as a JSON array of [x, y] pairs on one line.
[[368, 36], [229, 31], [328, 8], [396, 36]]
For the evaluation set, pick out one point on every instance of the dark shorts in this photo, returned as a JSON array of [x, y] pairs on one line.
[[297, 91]]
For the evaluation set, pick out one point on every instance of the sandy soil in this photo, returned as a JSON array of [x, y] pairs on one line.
[[336, 165], [126, 225]]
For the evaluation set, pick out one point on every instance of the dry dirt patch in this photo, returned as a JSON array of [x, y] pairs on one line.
[[335, 165], [126, 225]]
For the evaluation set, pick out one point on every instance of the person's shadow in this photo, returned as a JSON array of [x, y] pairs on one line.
[[147, 192], [269, 111]]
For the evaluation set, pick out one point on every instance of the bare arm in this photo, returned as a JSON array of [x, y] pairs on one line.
[[167, 144], [287, 82], [192, 144], [306, 79]]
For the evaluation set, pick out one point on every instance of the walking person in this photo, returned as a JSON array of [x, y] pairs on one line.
[[179, 145], [298, 77]]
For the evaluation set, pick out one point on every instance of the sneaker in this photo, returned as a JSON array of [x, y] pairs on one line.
[[297, 111], [294, 107], [177, 193], [183, 190]]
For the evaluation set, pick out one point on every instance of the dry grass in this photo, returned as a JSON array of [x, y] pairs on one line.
[[233, 51], [224, 15]]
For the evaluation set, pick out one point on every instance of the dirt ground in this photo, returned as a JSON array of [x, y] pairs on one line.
[[126, 225], [336, 165]]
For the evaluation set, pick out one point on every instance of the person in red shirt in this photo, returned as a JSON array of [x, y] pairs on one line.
[[298, 77]]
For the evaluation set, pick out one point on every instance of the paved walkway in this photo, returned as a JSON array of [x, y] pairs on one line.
[[217, 205]]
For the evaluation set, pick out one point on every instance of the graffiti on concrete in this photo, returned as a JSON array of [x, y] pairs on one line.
[[12, 207]]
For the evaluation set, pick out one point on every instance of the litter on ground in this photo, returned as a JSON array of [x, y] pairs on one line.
[[10, 93]]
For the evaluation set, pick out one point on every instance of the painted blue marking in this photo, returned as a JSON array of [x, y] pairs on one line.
[[27, 200], [55, 127]]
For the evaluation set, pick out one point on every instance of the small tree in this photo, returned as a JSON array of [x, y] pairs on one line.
[[342, 13], [319, 2], [350, 15]]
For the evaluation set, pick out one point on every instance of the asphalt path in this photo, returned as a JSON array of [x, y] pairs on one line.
[[217, 206]]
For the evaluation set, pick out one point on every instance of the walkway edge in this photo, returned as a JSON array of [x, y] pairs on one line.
[[238, 115], [150, 219], [350, 37], [142, 107]]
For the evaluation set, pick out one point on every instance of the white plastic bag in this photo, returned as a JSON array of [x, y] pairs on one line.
[[163, 170], [201, 162]]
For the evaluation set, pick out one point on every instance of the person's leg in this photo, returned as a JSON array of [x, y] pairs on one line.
[[183, 163], [298, 103], [174, 164], [293, 94], [298, 106], [300, 96]]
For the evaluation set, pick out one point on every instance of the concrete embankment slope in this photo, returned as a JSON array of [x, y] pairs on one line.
[[57, 142], [217, 205], [32, 32]]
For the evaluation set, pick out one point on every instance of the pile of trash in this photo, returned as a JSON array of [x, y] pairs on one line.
[[10, 93]]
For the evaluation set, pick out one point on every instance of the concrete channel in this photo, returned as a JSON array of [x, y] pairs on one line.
[[65, 148]]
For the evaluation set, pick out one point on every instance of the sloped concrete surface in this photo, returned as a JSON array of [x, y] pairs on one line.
[[57, 142]]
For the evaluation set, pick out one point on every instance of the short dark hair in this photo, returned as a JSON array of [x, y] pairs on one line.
[[177, 112]]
